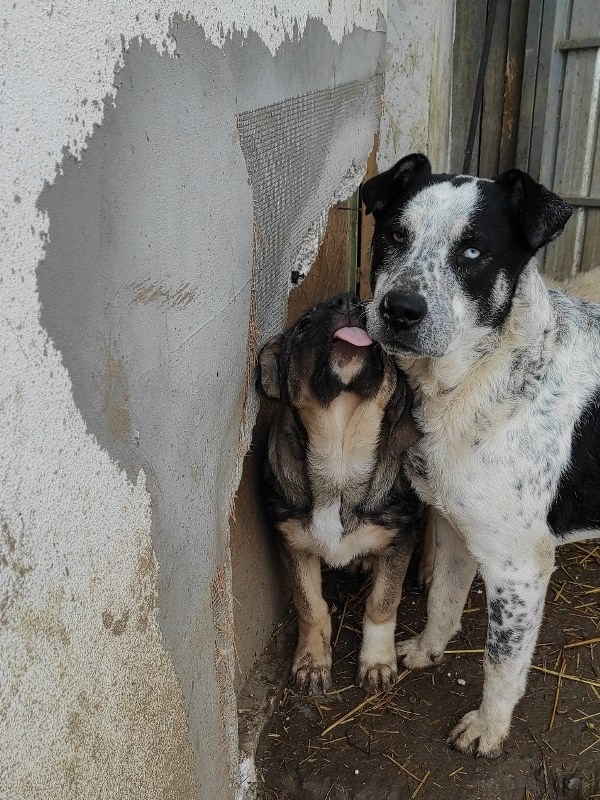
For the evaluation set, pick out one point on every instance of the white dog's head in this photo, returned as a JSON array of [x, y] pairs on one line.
[[448, 251]]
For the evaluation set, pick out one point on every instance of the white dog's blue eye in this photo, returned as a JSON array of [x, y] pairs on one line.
[[472, 253], [398, 236]]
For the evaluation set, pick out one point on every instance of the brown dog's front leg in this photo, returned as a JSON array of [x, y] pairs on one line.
[[377, 667], [311, 667]]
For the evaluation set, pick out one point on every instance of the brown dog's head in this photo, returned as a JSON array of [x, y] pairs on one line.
[[327, 351]]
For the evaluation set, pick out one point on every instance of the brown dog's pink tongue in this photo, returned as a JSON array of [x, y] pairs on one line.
[[356, 336]]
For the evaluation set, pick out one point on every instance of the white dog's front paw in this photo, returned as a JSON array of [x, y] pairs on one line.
[[417, 656], [479, 734]]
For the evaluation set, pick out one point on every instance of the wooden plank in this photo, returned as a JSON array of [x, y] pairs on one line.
[[585, 20], [541, 89], [493, 94], [591, 249], [593, 202], [468, 40], [515, 59], [532, 44], [585, 24], [366, 226], [578, 44], [578, 81], [329, 273], [353, 237], [556, 78]]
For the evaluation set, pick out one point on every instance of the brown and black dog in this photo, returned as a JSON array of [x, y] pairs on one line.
[[335, 488]]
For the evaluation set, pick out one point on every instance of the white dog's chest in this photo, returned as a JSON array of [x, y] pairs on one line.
[[489, 485]]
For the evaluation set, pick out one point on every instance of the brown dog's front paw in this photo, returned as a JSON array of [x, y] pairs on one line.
[[312, 679], [478, 735], [376, 677]]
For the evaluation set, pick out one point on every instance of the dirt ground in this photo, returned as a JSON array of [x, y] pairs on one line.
[[348, 746]]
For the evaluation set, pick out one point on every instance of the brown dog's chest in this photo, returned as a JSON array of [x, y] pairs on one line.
[[341, 458], [342, 447]]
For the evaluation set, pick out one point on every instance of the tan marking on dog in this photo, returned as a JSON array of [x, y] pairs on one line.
[[344, 435], [365, 539], [311, 666]]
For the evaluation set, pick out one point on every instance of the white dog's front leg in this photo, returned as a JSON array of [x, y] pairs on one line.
[[515, 600], [453, 575]]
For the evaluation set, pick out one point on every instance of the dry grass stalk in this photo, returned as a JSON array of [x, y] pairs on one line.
[[586, 716], [559, 594], [420, 786], [563, 667], [337, 636], [582, 643], [402, 767], [375, 701], [589, 747], [565, 676]]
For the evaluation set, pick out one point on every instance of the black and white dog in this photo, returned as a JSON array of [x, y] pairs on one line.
[[506, 375]]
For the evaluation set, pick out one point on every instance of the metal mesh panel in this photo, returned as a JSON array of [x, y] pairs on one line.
[[302, 154]]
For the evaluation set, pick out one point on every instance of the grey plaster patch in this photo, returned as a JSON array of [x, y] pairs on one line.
[[145, 290]]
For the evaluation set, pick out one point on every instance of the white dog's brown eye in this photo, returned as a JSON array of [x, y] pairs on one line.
[[398, 236], [472, 253]]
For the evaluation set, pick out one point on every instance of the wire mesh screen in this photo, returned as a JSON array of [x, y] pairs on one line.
[[303, 154]]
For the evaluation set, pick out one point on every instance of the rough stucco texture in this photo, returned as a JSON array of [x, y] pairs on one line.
[[114, 569], [418, 67]]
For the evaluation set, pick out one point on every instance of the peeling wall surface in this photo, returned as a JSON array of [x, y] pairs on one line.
[[418, 71], [135, 285]]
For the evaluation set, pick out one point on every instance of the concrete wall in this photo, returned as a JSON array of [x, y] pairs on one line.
[[163, 168], [136, 282], [418, 80]]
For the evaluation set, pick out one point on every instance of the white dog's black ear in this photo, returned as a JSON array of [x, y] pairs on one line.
[[541, 214], [268, 379], [377, 192]]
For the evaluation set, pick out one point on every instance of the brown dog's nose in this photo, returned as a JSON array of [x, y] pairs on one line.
[[403, 309], [345, 302]]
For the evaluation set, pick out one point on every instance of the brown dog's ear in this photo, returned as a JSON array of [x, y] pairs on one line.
[[268, 378], [541, 214], [377, 192], [403, 431]]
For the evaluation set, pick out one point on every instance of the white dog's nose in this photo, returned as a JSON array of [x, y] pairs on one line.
[[403, 309]]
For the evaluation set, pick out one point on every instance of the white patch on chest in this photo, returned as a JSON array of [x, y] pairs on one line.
[[364, 540], [327, 526]]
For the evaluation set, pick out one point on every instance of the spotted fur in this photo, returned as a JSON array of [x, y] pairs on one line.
[[506, 375]]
